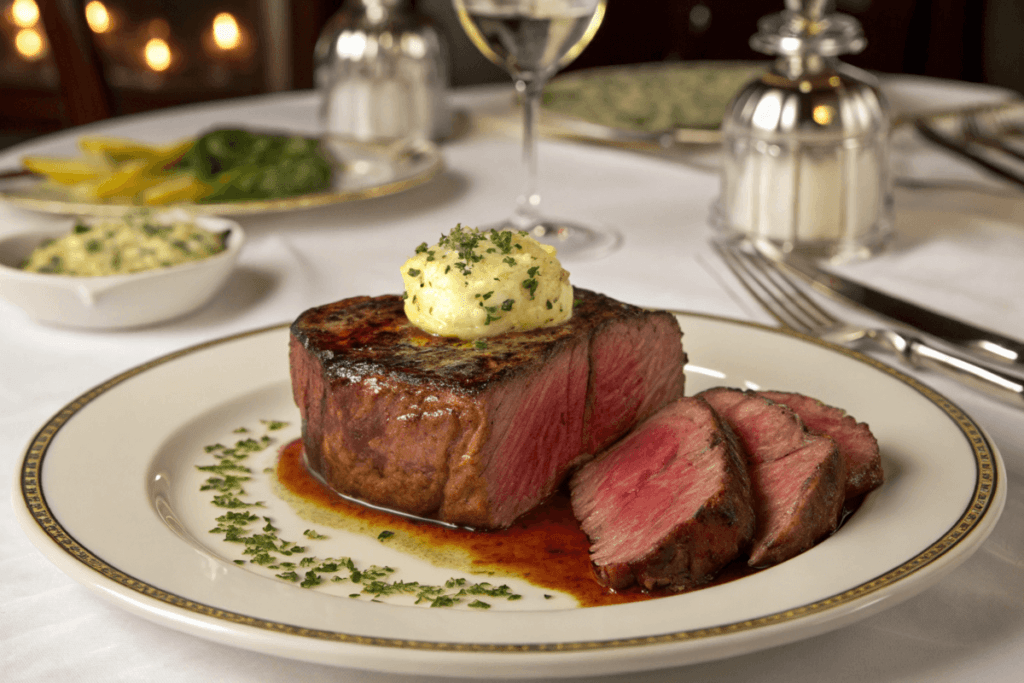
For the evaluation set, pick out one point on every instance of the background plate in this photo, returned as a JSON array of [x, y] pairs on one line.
[[115, 504], [659, 103], [369, 171]]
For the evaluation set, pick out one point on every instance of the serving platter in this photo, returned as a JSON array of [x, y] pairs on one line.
[[367, 170], [117, 504], [657, 104]]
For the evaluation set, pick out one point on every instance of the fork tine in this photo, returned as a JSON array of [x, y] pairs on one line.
[[774, 291], [793, 292], [748, 277]]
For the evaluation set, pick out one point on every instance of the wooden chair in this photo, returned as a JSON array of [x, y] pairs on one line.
[[84, 92]]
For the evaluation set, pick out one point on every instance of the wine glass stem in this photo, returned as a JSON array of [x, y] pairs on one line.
[[527, 216]]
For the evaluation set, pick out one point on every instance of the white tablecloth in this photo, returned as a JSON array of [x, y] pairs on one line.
[[958, 249]]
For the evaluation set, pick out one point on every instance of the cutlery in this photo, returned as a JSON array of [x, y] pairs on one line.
[[979, 135], [973, 341], [789, 304]]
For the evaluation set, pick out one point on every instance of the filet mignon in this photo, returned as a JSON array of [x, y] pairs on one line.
[[797, 478], [857, 445], [472, 433], [669, 505]]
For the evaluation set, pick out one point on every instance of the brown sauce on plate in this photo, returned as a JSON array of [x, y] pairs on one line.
[[545, 546]]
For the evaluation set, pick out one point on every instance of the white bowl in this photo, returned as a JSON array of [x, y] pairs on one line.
[[114, 301]]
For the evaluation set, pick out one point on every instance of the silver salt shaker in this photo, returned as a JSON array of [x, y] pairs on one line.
[[382, 73], [805, 147]]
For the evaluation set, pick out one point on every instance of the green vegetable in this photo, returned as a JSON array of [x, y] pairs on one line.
[[241, 164]]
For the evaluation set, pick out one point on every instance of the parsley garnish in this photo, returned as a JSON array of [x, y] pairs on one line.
[[262, 545]]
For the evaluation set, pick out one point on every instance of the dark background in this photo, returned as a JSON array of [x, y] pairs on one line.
[[971, 40]]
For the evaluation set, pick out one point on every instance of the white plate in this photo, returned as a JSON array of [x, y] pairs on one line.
[[369, 171], [109, 492]]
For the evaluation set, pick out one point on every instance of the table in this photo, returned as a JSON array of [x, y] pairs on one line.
[[958, 248]]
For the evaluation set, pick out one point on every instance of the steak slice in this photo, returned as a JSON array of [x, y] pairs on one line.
[[470, 433], [857, 445], [669, 505], [796, 478]]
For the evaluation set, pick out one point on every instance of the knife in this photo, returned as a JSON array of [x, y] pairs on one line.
[[975, 341]]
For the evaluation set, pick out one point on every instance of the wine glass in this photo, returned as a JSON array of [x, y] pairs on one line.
[[532, 40]]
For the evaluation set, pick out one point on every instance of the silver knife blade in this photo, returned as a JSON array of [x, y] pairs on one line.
[[979, 342]]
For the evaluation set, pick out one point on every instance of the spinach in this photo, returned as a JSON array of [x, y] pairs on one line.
[[241, 164]]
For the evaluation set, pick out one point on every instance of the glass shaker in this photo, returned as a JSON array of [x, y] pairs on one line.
[[805, 147], [382, 72]]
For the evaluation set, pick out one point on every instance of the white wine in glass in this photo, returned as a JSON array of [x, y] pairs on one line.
[[532, 40]]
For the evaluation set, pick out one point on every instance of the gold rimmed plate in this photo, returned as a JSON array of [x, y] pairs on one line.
[[117, 505], [365, 171]]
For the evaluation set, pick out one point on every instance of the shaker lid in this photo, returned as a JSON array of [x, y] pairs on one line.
[[808, 27]]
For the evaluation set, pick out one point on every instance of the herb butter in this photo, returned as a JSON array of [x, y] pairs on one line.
[[131, 244], [475, 284]]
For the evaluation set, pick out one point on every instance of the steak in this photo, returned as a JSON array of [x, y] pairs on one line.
[[472, 433], [669, 505], [796, 477], [857, 445]]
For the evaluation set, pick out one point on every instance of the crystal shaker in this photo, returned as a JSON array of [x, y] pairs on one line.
[[382, 72], [805, 146]]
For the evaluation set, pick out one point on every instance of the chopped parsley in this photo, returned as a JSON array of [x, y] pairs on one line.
[[263, 546]]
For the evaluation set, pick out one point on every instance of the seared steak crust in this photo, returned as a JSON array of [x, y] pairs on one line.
[[469, 433], [370, 336], [797, 478], [669, 505]]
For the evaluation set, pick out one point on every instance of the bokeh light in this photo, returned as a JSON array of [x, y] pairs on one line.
[[226, 33], [157, 54], [98, 17]]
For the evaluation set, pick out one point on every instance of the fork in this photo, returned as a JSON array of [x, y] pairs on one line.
[[789, 304]]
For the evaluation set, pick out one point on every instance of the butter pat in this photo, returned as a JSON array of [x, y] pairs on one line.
[[475, 284]]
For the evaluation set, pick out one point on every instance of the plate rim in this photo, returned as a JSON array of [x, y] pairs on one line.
[[984, 506], [433, 166]]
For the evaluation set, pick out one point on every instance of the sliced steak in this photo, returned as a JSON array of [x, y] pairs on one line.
[[796, 478], [471, 433], [629, 375], [857, 445], [669, 505]]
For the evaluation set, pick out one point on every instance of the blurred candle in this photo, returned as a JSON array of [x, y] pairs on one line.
[[226, 33], [97, 16], [157, 54], [24, 13], [30, 44]]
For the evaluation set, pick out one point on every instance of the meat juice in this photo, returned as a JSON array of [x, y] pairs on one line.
[[545, 546]]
